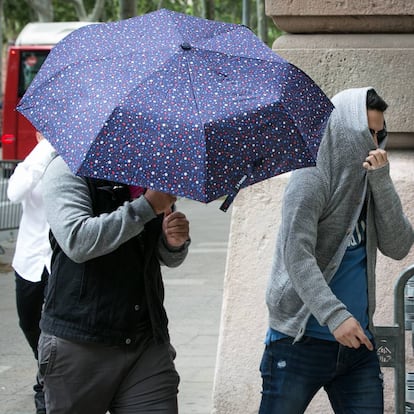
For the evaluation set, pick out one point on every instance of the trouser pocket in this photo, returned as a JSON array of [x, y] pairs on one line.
[[47, 354]]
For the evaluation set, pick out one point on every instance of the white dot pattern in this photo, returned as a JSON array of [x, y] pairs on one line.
[[176, 103]]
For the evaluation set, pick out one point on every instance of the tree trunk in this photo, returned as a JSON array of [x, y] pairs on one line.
[[43, 9], [94, 16], [246, 13], [127, 9], [80, 10], [197, 8], [210, 10], [207, 9], [261, 20], [97, 11]]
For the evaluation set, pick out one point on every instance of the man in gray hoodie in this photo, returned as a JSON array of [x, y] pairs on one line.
[[321, 291]]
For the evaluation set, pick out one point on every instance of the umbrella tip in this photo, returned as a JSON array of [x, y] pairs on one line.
[[185, 46]]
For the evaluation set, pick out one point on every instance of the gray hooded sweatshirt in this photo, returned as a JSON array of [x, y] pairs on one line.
[[320, 209]]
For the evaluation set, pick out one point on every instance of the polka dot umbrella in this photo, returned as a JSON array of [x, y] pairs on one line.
[[180, 104]]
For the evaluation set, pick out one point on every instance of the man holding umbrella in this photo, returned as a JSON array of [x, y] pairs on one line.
[[321, 291], [105, 344]]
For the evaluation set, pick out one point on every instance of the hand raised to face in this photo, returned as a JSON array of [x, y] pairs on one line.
[[376, 159]]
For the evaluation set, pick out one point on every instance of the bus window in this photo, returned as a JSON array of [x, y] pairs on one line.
[[30, 64]]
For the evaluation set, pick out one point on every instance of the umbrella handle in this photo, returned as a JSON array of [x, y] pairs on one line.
[[229, 199], [227, 202]]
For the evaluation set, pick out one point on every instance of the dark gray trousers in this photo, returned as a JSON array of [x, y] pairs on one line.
[[86, 378]]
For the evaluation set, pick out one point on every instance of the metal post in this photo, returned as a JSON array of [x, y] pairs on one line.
[[391, 341], [10, 213]]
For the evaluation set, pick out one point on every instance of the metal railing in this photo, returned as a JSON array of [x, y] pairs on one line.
[[10, 214], [391, 342]]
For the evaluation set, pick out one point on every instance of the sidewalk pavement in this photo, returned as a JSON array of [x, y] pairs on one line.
[[193, 303]]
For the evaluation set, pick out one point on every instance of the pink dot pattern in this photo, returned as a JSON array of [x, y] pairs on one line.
[[176, 103]]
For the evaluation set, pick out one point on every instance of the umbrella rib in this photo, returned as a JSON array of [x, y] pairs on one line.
[[297, 127], [192, 91]]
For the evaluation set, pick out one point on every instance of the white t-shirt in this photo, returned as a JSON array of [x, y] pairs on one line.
[[33, 251]]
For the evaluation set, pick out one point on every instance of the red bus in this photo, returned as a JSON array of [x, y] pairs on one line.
[[24, 60]]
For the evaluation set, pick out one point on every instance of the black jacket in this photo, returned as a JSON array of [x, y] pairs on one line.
[[116, 298]]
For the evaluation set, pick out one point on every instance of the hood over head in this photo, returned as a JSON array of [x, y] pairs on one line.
[[345, 145], [347, 140]]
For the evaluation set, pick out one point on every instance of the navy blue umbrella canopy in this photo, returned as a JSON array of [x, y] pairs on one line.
[[176, 103]]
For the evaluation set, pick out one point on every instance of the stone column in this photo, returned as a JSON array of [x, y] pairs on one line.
[[340, 44]]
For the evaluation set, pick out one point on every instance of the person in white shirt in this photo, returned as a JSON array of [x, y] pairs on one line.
[[32, 256]]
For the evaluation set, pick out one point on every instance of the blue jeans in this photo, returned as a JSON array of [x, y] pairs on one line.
[[293, 373]]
